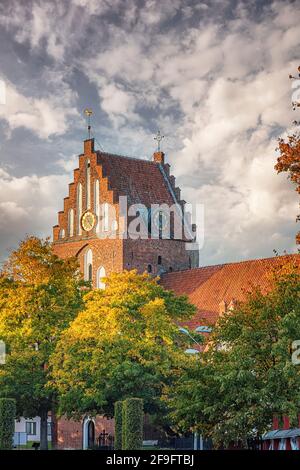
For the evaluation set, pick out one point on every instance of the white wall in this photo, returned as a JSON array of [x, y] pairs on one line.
[[20, 426]]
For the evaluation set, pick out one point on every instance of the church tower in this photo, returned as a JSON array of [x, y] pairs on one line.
[[115, 217]]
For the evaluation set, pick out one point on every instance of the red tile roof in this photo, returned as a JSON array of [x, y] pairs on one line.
[[141, 181], [208, 286]]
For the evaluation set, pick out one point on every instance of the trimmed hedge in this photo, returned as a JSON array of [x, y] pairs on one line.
[[118, 424], [7, 422], [133, 419], [124, 425]]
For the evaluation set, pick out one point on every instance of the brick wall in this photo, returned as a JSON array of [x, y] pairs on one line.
[[70, 432], [139, 254], [107, 253]]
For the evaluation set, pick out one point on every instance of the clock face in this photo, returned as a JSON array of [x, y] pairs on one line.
[[88, 221]]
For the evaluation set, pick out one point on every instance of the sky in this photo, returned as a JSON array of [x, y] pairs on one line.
[[212, 76]]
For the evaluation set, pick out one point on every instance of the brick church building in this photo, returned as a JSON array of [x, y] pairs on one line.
[[103, 245], [97, 226]]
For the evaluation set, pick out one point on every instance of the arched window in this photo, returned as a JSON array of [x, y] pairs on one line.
[[88, 184], [159, 260], [100, 276], [90, 272], [105, 209], [88, 265], [61, 233], [149, 268], [97, 204], [79, 208], [71, 222]]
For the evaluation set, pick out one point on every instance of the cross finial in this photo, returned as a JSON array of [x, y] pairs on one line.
[[159, 138], [88, 112]]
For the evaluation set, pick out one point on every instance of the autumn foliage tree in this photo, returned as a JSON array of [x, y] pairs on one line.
[[40, 295], [125, 343], [289, 161]]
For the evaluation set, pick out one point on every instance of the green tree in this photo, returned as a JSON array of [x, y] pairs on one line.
[[246, 374], [125, 343], [39, 295]]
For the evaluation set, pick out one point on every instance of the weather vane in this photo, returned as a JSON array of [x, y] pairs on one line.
[[159, 138], [88, 112]]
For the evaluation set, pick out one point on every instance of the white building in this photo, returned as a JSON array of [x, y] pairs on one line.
[[28, 430]]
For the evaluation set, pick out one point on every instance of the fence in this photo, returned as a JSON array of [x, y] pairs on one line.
[[20, 439]]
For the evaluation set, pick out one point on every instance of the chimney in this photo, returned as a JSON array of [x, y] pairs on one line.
[[159, 157], [89, 146]]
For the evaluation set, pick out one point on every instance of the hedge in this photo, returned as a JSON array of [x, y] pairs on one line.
[[118, 425], [124, 407], [7, 422], [133, 419]]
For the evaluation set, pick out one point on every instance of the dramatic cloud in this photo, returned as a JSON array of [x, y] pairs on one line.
[[28, 205], [212, 75], [46, 116]]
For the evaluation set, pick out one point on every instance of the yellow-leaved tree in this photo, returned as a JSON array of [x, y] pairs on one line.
[[40, 295], [125, 343]]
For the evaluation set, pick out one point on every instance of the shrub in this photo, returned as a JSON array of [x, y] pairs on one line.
[[118, 425], [7, 422], [124, 407], [133, 417]]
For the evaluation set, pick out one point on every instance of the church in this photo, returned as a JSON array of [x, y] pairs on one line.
[[93, 225], [115, 218]]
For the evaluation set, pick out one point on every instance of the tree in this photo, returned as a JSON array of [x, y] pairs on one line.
[[246, 374], [289, 161], [125, 343], [7, 422], [39, 295]]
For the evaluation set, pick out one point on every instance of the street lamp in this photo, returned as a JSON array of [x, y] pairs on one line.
[[186, 332], [193, 351]]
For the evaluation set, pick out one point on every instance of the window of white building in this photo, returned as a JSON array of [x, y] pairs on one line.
[[31, 428]]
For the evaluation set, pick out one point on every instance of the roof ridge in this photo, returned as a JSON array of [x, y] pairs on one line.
[[288, 255], [128, 157]]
